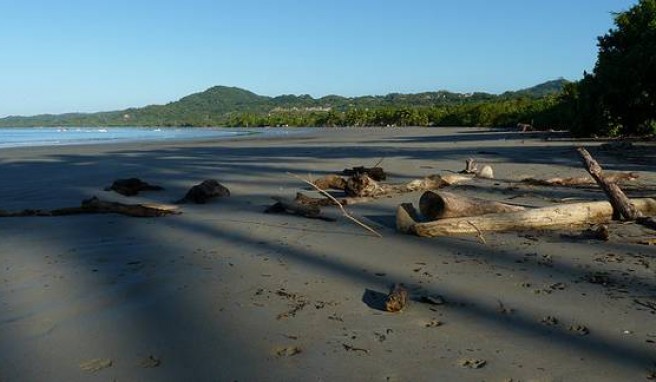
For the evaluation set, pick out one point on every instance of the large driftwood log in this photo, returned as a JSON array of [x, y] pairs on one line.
[[622, 206], [205, 191], [97, 206], [552, 217], [440, 205], [364, 186], [131, 186], [616, 177]]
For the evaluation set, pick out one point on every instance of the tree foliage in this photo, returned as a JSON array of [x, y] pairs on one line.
[[619, 97]]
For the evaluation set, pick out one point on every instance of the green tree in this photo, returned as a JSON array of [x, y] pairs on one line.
[[625, 73]]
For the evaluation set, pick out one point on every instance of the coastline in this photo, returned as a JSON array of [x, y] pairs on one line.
[[225, 292]]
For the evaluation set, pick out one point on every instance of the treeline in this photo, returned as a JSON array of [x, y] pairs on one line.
[[542, 113]]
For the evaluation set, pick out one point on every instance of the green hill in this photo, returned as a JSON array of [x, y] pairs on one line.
[[539, 91], [221, 105]]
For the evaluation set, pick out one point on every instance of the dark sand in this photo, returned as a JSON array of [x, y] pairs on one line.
[[224, 292]]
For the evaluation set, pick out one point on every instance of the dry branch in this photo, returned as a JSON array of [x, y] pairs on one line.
[[551, 217], [622, 206]]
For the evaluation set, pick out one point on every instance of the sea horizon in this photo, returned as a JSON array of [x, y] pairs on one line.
[[63, 136]]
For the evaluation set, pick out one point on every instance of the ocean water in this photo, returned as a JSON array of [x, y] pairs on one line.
[[54, 136]]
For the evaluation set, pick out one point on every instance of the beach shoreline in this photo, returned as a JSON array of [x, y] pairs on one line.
[[226, 292]]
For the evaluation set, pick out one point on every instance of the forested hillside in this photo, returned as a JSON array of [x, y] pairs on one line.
[[229, 106]]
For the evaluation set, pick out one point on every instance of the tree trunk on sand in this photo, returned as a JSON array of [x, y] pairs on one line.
[[552, 217], [364, 186], [622, 206], [440, 205]]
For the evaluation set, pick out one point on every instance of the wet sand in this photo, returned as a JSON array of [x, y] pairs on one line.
[[225, 292]]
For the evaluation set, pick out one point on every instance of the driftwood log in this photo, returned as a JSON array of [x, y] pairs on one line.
[[331, 182], [284, 205], [397, 299], [205, 191], [440, 205], [551, 217], [131, 186], [376, 173], [616, 177], [364, 186], [97, 206], [304, 199]]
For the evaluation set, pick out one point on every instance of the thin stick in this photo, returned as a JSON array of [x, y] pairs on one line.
[[338, 204], [379, 162], [480, 234]]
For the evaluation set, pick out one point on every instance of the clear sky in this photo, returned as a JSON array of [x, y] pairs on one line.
[[86, 55]]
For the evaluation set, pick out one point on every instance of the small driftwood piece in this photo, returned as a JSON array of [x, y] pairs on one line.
[[470, 167], [331, 182], [304, 199], [552, 217], [622, 207], [97, 206], [131, 186], [284, 205], [376, 173], [440, 205], [364, 186], [204, 192], [616, 177], [397, 299]]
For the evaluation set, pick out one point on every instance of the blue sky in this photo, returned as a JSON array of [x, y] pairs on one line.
[[68, 56]]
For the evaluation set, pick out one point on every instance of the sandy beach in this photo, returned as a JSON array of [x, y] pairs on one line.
[[224, 292]]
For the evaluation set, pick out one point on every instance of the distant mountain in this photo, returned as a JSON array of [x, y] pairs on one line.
[[217, 105]]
